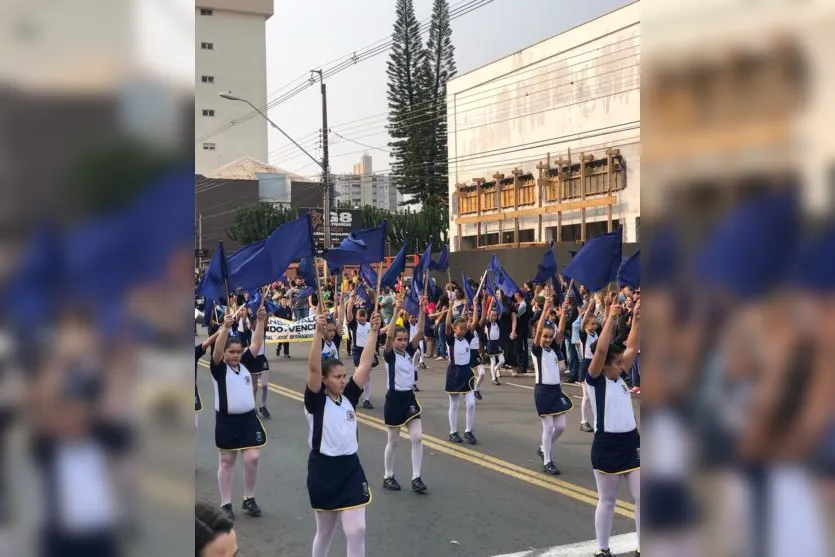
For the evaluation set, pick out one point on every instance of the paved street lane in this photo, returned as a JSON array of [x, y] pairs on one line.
[[484, 500]]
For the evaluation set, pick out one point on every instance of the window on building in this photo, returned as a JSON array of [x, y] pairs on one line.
[[207, 46], [208, 112], [208, 146], [208, 79], [204, 11]]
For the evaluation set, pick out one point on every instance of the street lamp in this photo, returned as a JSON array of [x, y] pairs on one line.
[[230, 97], [326, 198]]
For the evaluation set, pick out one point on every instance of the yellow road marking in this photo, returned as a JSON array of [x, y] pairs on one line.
[[563, 487]]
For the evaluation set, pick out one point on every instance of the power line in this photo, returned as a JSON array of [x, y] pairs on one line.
[[462, 9]]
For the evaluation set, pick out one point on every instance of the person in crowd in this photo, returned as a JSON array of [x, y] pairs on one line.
[[459, 375], [440, 326], [214, 532], [336, 482], [360, 329], [615, 449], [237, 427], [283, 311], [401, 407], [506, 318], [519, 331], [588, 336]]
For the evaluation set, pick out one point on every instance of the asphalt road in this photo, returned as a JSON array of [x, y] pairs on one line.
[[484, 500]]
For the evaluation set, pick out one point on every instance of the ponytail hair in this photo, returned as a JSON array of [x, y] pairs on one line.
[[209, 523]]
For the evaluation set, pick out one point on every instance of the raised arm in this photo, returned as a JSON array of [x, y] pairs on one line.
[[392, 326], [541, 324], [367, 358], [314, 359], [420, 322], [349, 314], [633, 341], [603, 342], [209, 341], [340, 317], [258, 335], [448, 319], [222, 335], [474, 322]]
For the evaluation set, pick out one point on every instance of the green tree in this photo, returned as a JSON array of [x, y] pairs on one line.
[[406, 70], [439, 67], [253, 223]]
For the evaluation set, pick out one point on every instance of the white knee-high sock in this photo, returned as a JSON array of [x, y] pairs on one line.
[[493, 367], [353, 524], [416, 436], [469, 402], [325, 529], [480, 377], [633, 480], [453, 413], [547, 437], [585, 406], [391, 447], [607, 491], [366, 392]]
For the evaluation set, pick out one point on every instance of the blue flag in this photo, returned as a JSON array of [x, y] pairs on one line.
[[629, 273], [547, 268], [362, 294], [468, 289], [421, 268], [597, 264], [306, 291], [662, 260], [364, 246], [211, 284], [411, 302], [289, 242], [369, 275], [751, 251], [491, 288], [443, 261], [307, 271], [814, 268], [255, 301], [502, 279], [397, 267], [34, 290]]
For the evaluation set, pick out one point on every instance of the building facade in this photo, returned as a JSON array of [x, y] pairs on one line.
[[544, 144], [363, 187], [230, 55]]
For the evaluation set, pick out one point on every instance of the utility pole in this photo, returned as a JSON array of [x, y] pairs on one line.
[[327, 194]]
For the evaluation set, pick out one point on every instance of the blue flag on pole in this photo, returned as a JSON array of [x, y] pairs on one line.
[[422, 266], [443, 261], [398, 265], [307, 271], [289, 242], [502, 279], [369, 275], [547, 268], [752, 249], [211, 284], [411, 302], [597, 264], [362, 294], [814, 268], [491, 288], [364, 246], [629, 273], [255, 301], [468, 289]]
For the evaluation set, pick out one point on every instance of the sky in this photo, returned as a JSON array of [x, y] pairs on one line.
[[308, 35]]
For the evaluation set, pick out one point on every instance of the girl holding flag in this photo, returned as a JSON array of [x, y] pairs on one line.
[[459, 374]]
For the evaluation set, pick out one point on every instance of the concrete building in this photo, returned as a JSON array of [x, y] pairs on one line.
[[545, 143], [363, 187], [230, 55], [221, 192]]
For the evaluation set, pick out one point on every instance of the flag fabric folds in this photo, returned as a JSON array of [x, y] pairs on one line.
[[364, 246], [502, 279], [307, 271], [362, 294], [629, 273], [468, 289], [491, 288], [397, 267], [547, 268], [421, 268], [597, 263], [443, 261], [369, 275]]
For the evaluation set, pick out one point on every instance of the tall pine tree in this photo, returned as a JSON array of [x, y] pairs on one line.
[[439, 67], [407, 123]]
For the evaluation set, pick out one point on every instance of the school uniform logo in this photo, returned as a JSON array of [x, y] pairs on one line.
[[413, 409], [623, 386], [350, 416], [259, 437], [247, 379], [365, 489]]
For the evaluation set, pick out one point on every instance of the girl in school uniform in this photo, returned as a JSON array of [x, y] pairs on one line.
[[551, 403], [410, 323], [588, 336], [360, 329], [402, 408], [459, 374], [336, 482], [237, 427], [493, 334], [475, 358], [332, 337], [615, 450]]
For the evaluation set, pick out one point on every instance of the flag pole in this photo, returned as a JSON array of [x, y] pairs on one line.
[[320, 305], [379, 285]]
